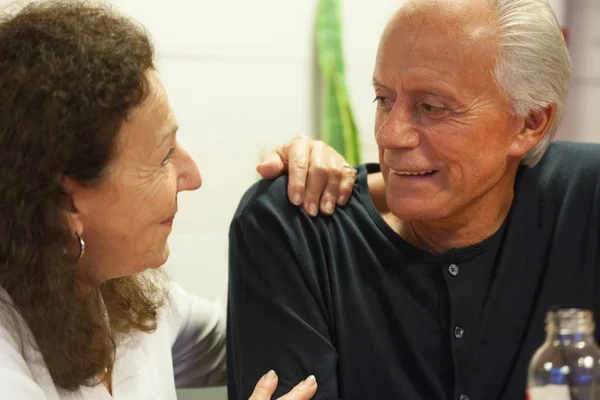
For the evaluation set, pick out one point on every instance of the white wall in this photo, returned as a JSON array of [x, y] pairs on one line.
[[241, 77], [582, 122]]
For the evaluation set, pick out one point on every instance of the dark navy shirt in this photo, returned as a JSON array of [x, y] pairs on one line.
[[373, 317]]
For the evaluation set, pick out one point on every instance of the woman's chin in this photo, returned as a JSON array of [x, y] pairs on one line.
[[158, 260], [163, 257]]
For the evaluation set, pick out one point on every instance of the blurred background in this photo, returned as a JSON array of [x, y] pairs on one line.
[[243, 77]]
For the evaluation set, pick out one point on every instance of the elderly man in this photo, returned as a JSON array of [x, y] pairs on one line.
[[433, 282]]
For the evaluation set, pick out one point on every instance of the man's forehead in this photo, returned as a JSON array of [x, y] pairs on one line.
[[446, 7], [422, 46], [429, 32], [471, 19]]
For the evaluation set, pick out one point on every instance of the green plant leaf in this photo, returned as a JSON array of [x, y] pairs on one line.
[[337, 125]]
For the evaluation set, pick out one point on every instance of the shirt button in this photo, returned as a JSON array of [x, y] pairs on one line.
[[453, 269], [459, 333], [464, 397]]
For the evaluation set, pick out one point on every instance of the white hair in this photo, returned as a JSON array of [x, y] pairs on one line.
[[533, 67]]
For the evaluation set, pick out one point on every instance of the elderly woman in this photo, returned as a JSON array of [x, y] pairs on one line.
[[90, 169]]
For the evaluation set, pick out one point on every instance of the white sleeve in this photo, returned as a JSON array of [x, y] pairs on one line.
[[16, 379], [198, 340]]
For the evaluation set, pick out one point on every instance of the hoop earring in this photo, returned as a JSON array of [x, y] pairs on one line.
[[81, 247]]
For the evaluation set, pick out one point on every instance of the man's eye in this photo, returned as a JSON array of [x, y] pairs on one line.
[[168, 157], [379, 99], [429, 109]]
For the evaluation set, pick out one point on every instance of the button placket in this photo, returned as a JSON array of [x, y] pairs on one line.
[[459, 332], [453, 270]]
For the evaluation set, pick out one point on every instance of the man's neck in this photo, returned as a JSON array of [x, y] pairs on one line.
[[470, 225]]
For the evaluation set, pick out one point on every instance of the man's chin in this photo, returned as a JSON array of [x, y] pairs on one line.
[[416, 209]]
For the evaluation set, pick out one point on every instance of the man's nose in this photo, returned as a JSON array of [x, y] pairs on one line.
[[397, 130]]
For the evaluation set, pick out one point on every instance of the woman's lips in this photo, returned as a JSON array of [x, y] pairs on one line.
[[168, 222]]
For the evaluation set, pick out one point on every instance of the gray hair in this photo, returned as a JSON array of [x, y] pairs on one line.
[[533, 67]]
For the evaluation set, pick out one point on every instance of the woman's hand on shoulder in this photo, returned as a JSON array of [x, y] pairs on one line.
[[268, 383], [320, 178]]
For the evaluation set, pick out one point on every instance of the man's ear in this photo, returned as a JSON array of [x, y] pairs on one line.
[[532, 130], [71, 188]]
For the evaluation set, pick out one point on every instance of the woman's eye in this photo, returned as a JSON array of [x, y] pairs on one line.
[[379, 99], [168, 157]]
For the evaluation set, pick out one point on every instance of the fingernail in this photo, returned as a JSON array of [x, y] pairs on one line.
[[310, 381], [328, 207], [341, 200], [297, 199], [270, 375], [312, 210]]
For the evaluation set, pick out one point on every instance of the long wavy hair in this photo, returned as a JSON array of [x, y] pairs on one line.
[[70, 72]]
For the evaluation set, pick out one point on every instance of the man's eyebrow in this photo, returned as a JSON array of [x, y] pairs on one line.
[[377, 83], [440, 93], [432, 92]]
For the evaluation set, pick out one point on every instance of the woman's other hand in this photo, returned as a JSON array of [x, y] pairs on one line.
[[268, 383]]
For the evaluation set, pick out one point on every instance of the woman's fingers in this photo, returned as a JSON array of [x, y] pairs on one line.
[[319, 177], [303, 391], [266, 386]]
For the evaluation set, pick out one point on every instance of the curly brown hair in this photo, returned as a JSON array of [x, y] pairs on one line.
[[70, 72]]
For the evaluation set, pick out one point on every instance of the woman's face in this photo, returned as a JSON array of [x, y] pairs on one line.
[[126, 219]]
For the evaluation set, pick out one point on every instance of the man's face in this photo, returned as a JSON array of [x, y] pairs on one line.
[[443, 128]]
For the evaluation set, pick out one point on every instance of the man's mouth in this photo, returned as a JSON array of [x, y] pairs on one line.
[[414, 173]]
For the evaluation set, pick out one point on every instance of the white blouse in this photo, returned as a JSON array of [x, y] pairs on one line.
[[187, 350]]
